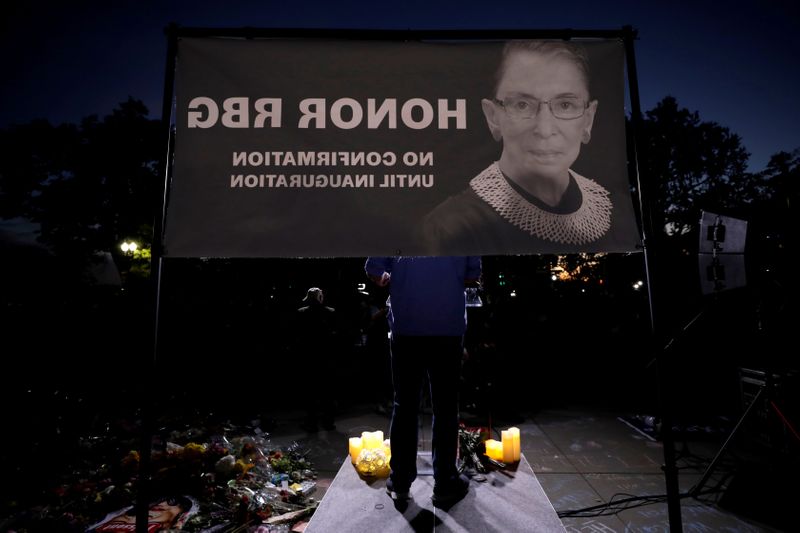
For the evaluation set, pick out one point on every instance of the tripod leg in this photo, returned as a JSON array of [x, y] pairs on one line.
[[710, 470]]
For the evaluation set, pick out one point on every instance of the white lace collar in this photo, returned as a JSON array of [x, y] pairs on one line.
[[587, 224]]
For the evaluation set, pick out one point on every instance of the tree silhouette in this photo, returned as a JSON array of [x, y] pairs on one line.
[[694, 165], [776, 210], [783, 177], [87, 186]]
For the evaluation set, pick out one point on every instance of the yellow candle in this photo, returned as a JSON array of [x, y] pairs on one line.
[[508, 446], [498, 450], [387, 449], [494, 449], [372, 440], [355, 448], [515, 441], [366, 439]]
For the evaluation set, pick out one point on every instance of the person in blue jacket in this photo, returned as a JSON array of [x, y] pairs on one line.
[[427, 320]]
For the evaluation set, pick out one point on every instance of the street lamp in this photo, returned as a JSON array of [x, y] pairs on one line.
[[125, 261], [128, 247]]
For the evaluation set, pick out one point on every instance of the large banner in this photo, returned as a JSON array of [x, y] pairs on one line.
[[334, 148]]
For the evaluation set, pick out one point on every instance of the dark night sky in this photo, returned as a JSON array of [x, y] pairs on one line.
[[736, 63]]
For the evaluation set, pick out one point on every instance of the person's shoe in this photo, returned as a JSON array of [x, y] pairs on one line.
[[398, 494], [447, 494]]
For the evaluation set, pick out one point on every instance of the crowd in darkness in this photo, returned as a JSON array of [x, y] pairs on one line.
[[235, 318], [228, 337], [229, 334]]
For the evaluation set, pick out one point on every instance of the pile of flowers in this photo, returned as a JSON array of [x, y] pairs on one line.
[[238, 484]]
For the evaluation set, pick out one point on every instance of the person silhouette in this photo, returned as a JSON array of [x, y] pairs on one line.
[[315, 332], [427, 319]]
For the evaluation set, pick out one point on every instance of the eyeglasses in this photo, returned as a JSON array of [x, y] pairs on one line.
[[563, 107]]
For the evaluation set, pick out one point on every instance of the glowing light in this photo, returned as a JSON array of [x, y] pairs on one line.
[[128, 247], [370, 453]]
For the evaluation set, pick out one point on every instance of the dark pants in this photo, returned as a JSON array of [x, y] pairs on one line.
[[412, 358]]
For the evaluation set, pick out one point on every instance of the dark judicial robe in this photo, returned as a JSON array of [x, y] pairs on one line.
[[495, 216]]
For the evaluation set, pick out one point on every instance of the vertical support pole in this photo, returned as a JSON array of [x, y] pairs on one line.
[[646, 192], [146, 393]]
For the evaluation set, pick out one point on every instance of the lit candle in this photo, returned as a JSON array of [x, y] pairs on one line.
[[372, 440], [355, 448], [515, 440], [366, 439], [494, 449], [508, 446], [387, 447]]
